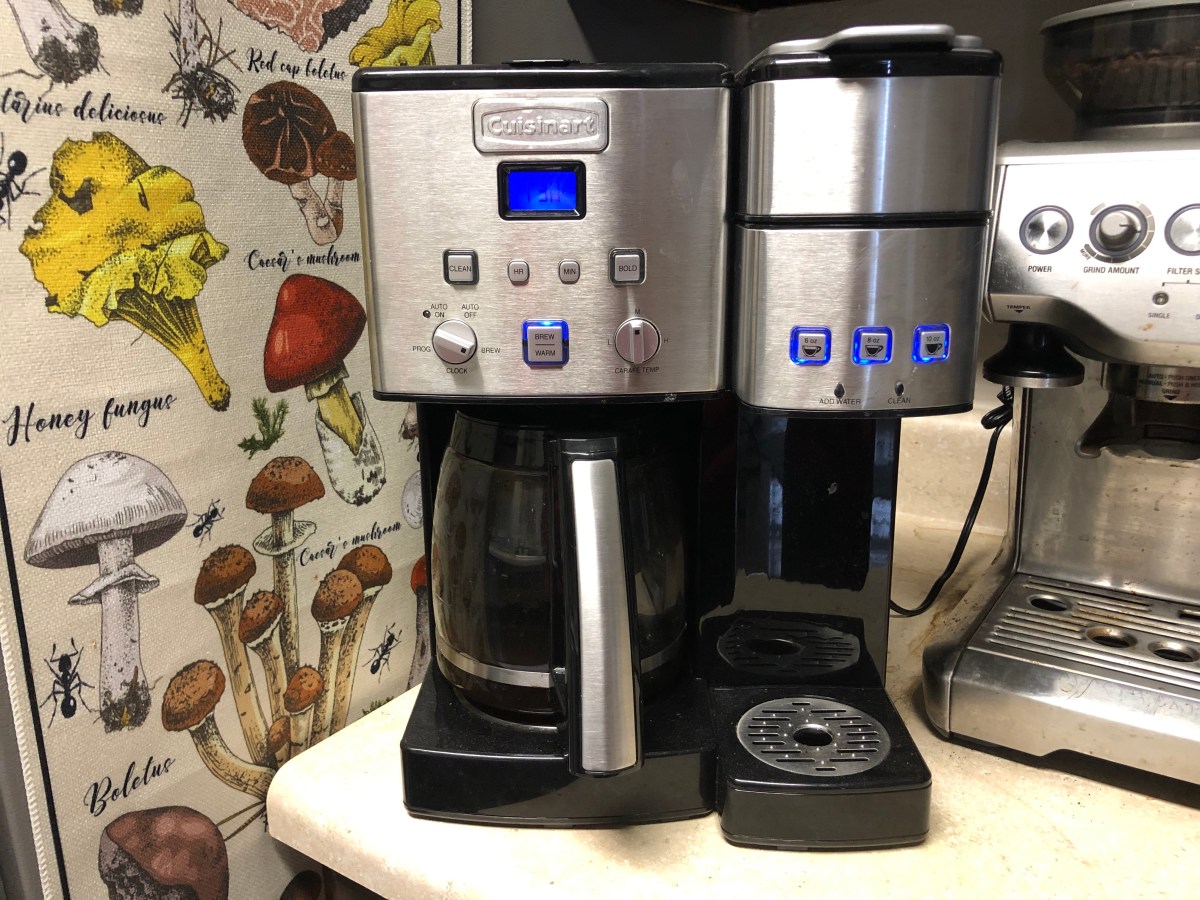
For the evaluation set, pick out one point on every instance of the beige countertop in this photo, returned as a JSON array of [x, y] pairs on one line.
[[999, 826]]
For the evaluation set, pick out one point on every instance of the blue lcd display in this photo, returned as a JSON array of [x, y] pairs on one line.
[[542, 190]]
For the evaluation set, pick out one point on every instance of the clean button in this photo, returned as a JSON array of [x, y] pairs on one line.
[[460, 267]]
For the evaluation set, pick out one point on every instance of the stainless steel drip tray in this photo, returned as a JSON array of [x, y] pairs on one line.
[[1059, 666]]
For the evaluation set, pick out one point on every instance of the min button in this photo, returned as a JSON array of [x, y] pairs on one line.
[[568, 271]]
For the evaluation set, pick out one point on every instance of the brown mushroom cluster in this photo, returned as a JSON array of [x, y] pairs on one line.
[[303, 704]]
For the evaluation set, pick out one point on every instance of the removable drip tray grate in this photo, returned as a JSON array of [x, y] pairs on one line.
[[1142, 637], [767, 647], [813, 736]]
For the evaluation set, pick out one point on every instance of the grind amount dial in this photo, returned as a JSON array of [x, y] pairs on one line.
[[1120, 232]]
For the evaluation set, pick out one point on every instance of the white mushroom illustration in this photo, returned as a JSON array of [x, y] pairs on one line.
[[106, 510]]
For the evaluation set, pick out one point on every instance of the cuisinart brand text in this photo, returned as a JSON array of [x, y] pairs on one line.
[[575, 123]]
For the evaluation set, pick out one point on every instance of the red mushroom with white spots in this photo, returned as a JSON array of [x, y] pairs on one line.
[[316, 325], [106, 510]]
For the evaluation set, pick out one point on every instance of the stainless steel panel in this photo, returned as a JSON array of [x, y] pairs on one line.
[[859, 146], [1145, 309], [843, 279], [1034, 679], [659, 186], [607, 691], [1123, 522]]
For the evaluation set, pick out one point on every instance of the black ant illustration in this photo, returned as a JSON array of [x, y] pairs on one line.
[[382, 653], [12, 190], [68, 685], [203, 526]]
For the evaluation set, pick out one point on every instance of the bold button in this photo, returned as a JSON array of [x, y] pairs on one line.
[[518, 271], [460, 267], [627, 266], [568, 271], [872, 346], [931, 343], [810, 346], [545, 342]]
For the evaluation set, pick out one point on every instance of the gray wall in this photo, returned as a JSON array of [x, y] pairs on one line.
[[670, 30]]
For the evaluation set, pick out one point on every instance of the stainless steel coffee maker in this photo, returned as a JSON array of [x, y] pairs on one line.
[[546, 250], [1084, 635], [860, 235]]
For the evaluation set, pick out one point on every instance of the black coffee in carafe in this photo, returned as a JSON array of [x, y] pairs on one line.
[[501, 543]]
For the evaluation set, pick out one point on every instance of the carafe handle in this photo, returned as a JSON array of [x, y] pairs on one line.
[[603, 699]]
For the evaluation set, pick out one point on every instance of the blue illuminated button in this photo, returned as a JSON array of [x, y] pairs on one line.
[[931, 343], [809, 346], [545, 342], [872, 346]]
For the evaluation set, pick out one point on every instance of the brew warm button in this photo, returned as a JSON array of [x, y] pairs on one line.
[[627, 266]]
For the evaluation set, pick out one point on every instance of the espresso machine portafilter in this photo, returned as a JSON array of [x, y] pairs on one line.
[[1084, 636]]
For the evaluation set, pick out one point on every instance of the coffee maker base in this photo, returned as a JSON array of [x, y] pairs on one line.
[[460, 765], [831, 771]]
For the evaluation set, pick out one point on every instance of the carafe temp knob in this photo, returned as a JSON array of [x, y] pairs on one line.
[[454, 342], [1118, 228], [637, 340]]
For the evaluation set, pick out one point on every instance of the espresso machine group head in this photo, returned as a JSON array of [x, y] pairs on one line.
[[1085, 634]]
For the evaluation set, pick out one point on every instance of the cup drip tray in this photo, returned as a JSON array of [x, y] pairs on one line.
[[813, 736]]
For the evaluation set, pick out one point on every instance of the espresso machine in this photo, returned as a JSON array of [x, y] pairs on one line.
[[862, 208], [1084, 636], [546, 265]]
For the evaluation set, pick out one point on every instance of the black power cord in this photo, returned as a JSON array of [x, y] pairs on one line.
[[994, 421]]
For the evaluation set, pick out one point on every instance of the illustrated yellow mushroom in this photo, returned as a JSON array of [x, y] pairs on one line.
[[119, 239], [404, 39], [279, 740]]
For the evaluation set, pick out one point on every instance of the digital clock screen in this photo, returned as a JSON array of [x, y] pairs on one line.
[[546, 191]]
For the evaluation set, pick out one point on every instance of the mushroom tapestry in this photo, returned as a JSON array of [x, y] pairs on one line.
[[213, 531]]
